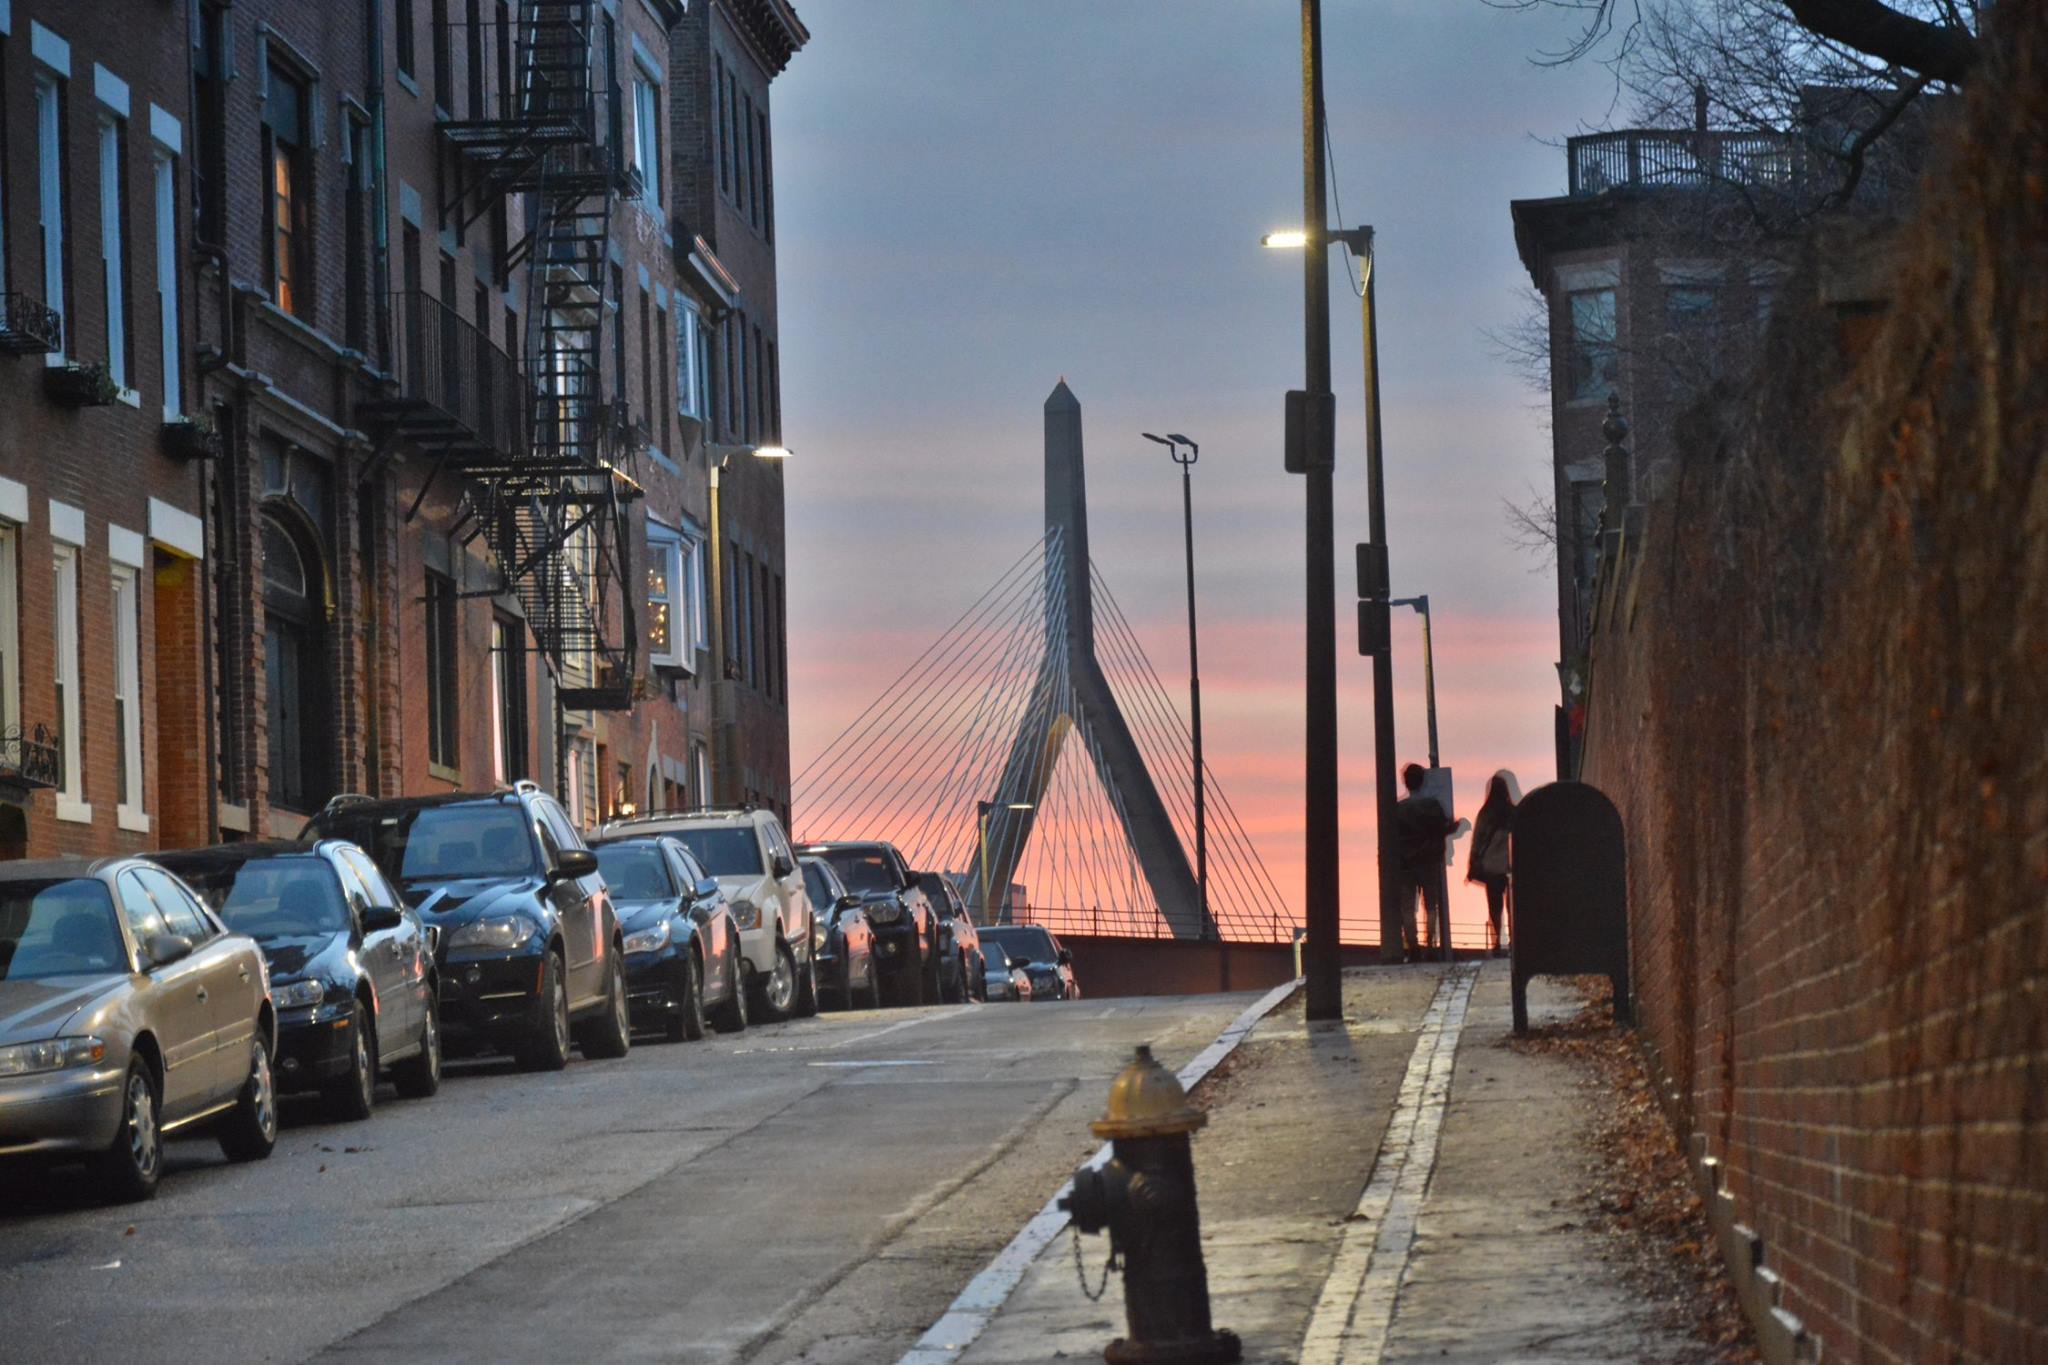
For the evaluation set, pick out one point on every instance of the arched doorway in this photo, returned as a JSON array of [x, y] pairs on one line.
[[295, 663]]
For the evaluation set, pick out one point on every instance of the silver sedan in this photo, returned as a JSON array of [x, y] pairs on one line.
[[128, 1013]]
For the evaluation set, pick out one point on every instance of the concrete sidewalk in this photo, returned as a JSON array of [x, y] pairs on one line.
[[1397, 1188]]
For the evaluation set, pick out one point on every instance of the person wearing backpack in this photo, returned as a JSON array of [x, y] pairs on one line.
[[1487, 863]]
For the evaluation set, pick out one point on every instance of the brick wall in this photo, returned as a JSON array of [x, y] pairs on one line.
[[1818, 688]]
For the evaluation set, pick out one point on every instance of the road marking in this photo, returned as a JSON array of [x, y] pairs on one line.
[[968, 1316], [1356, 1309], [869, 1036], [880, 1061]]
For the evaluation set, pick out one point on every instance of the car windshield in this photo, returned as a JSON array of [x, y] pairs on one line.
[[817, 888], [725, 850], [994, 958], [634, 872], [58, 927], [861, 870], [430, 843], [1024, 942], [268, 897]]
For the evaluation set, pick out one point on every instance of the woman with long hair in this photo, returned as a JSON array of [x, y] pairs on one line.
[[1487, 862]]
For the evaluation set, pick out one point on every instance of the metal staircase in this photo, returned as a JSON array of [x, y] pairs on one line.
[[544, 451]]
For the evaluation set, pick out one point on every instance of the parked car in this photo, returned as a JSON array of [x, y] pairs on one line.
[[906, 929], [128, 1013], [1050, 966], [682, 944], [846, 941], [529, 953], [959, 943], [748, 853], [1002, 978], [351, 969]]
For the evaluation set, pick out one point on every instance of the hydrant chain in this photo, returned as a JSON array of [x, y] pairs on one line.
[[1080, 1272]]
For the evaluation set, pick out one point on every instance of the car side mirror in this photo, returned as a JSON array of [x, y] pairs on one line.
[[164, 949], [1066, 958], [378, 918], [707, 889], [782, 865], [572, 863], [848, 901]]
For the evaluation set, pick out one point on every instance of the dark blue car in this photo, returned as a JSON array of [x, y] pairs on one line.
[[682, 943]]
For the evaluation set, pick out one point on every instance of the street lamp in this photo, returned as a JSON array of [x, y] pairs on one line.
[[1174, 443], [983, 808], [1441, 926], [1372, 574], [721, 768]]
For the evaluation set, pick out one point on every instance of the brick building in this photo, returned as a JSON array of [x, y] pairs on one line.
[[401, 467]]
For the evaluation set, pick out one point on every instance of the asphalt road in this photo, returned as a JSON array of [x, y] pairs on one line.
[[817, 1190]]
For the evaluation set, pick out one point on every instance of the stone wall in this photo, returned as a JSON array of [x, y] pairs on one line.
[[1819, 697]]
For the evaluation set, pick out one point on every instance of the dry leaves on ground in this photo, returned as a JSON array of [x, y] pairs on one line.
[[1644, 1195]]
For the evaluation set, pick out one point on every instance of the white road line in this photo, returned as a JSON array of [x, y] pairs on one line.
[[986, 1293], [1356, 1309], [848, 1041]]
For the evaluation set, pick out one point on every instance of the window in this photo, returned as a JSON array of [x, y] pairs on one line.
[[443, 724], [669, 629], [70, 762], [1591, 361], [646, 355], [477, 38], [664, 378], [721, 115], [113, 269], [1691, 313], [50, 186], [181, 914], [647, 137], [209, 89], [295, 663], [700, 772], [286, 119], [772, 370], [734, 116], [356, 233], [10, 631], [127, 700], [508, 699], [752, 198], [689, 358], [695, 552], [167, 283], [444, 62], [404, 52], [767, 180]]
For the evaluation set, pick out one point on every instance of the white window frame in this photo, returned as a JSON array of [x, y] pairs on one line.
[[647, 136], [666, 544], [113, 268], [166, 172], [10, 629], [573, 761], [127, 606], [696, 555], [700, 774], [689, 358], [50, 209], [71, 803]]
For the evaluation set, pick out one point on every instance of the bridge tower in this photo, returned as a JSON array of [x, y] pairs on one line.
[[1072, 694]]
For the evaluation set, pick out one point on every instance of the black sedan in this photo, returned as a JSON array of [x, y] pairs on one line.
[[682, 943], [1043, 957], [846, 941], [351, 967]]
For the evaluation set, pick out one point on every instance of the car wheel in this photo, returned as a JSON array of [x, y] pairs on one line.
[[731, 1016], [778, 990], [134, 1161], [966, 983], [951, 991], [874, 986], [418, 1077], [351, 1097], [250, 1129], [687, 1023], [928, 986], [610, 1035], [807, 988], [546, 1047]]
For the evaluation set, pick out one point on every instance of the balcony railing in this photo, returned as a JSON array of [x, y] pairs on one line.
[[455, 387], [29, 758], [1645, 158], [28, 326]]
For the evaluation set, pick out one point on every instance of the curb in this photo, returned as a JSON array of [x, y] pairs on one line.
[[967, 1317]]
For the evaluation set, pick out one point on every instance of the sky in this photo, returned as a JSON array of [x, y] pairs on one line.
[[975, 199]]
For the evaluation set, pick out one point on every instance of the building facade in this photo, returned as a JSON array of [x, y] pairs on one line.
[[387, 418]]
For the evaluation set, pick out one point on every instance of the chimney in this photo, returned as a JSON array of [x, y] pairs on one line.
[[1699, 106]]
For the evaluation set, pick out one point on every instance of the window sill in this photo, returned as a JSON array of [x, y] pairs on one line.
[[406, 82], [1591, 400], [131, 819], [234, 816], [132, 397], [74, 811], [445, 773]]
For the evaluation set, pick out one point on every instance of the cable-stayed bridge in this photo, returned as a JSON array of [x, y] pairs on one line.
[[1033, 752]]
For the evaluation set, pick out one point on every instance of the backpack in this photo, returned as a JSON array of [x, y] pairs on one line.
[[1493, 862]]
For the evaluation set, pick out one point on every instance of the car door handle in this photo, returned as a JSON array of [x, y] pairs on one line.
[[202, 995], [245, 974]]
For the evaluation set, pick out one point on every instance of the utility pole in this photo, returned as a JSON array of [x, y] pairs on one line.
[[1322, 889], [1174, 443], [1374, 628]]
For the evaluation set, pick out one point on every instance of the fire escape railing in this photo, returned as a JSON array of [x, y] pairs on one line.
[[28, 326], [454, 389]]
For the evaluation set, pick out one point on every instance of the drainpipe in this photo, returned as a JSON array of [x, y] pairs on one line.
[[380, 208]]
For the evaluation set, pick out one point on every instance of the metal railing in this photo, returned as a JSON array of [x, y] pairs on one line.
[[30, 758], [28, 326], [1657, 158], [453, 370]]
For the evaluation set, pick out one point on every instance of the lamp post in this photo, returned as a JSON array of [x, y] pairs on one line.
[[1174, 444], [982, 809], [721, 457], [1372, 585]]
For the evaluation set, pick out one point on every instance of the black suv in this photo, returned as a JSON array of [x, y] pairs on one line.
[[529, 951], [960, 965], [906, 929]]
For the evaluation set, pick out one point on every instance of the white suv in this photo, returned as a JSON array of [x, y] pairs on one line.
[[748, 853]]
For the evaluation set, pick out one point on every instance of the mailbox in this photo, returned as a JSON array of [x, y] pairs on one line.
[[1568, 865]]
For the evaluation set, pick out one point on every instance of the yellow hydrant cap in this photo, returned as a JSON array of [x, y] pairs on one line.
[[1146, 1100]]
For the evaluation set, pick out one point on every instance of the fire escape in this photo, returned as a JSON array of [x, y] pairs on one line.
[[545, 454]]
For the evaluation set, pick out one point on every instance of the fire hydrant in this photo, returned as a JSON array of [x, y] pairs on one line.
[[1145, 1196]]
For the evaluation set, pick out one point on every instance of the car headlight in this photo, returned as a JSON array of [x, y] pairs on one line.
[[649, 940], [884, 912], [495, 931], [52, 1054], [298, 993], [745, 913]]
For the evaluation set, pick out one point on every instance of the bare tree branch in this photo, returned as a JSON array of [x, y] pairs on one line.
[[1942, 52]]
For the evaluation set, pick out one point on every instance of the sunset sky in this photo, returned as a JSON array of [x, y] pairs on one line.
[[976, 199]]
